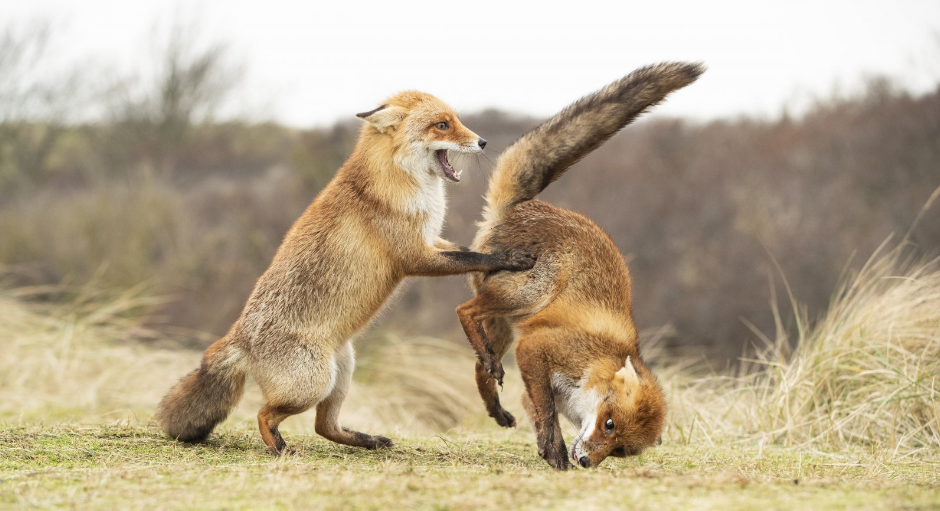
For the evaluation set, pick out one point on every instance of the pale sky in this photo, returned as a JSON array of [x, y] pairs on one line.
[[311, 63]]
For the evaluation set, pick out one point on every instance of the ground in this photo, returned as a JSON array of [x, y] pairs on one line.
[[135, 467]]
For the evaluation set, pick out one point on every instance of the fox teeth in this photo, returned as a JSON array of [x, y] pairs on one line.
[[459, 172]]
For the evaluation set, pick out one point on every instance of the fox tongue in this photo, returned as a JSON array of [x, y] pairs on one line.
[[446, 166]]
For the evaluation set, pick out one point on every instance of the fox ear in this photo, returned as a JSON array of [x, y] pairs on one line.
[[384, 117], [628, 372]]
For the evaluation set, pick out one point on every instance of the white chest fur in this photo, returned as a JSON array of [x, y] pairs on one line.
[[430, 202], [575, 403]]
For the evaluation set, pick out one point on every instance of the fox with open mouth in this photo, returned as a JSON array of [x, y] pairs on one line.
[[378, 221]]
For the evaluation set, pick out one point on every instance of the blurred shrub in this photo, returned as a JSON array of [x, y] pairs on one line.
[[319, 153], [152, 117]]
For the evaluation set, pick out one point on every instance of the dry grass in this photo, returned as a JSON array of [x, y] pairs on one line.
[[851, 413], [83, 360], [92, 360], [866, 375]]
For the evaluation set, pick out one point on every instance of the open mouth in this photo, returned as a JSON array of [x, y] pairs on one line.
[[446, 167]]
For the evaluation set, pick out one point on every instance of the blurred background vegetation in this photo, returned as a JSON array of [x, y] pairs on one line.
[[713, 217]]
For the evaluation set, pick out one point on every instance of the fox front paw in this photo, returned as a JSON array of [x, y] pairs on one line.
[[518, 260], [556, 459]]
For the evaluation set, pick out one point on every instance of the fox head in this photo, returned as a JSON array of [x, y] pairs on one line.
[[422, 129], [629, 417]]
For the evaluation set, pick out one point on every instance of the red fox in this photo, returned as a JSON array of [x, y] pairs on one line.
[[375, 223], [571, 314]]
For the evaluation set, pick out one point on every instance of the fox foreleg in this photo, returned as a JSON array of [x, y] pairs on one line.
[[435, 262]]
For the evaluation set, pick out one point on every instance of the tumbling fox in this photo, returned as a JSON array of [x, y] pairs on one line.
[[571, 314], [376, 222]]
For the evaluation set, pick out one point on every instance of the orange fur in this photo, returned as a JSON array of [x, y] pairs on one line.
[[375, 223], [570, 316]]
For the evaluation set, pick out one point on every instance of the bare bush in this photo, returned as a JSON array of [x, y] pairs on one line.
[[153, 115], [35, 103]]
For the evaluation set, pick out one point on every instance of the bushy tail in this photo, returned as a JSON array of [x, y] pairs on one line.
[[543, 154], [204, 398]]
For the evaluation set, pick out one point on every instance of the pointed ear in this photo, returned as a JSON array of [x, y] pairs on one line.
[[384, 117], [628, 372]]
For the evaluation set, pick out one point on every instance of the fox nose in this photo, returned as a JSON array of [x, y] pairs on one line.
[[584, 461], [482, 143]]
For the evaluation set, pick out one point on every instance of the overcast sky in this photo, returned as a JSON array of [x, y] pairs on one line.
[[311, 63]]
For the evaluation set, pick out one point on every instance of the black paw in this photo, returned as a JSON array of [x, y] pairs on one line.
[[504, 418], [379, 442], [517, 260]]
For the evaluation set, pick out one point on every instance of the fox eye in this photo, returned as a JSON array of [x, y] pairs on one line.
[[442, 125], [609, 425]]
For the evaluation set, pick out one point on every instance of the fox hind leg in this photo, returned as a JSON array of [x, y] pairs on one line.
[[292, 380], [500, 338], [269, 418], [503, 295], [327, 422]]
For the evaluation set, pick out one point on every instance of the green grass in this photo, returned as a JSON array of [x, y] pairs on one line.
[[134, 467]]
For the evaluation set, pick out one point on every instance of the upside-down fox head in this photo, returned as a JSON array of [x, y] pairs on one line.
[[422, 129], [629, 417]]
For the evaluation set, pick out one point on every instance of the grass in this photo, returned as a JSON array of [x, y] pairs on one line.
[[134, 467], [841, 413], [867, 374]]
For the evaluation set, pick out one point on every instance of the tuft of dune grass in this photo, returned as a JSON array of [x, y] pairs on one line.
[[867, 374]]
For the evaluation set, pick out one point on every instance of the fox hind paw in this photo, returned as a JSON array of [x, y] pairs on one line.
[[380, 442], [494, 368], [504, 418]]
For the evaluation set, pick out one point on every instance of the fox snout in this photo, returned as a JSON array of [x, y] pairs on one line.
[[475, 144]]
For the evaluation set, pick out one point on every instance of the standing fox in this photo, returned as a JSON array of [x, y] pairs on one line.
[[375, 223], [577, 345]]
